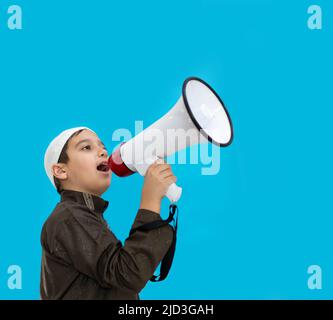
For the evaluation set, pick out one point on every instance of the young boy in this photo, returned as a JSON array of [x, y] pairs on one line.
[[81, 257]]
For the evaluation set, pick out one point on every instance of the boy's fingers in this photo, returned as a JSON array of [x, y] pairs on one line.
[[165, 174], [153, 165], [163, 167], [170, 180], [159, 166]]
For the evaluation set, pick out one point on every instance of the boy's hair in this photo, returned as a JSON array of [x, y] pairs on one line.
[[63, 158]]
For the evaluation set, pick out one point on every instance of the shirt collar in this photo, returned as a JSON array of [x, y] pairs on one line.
[[93, 202]]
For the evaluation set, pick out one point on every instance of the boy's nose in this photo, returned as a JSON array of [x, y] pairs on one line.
[[102, 153]]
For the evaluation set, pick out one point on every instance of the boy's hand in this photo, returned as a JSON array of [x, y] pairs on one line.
[[157, 180]]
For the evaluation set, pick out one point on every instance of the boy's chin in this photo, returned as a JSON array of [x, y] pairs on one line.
[[104, 188]]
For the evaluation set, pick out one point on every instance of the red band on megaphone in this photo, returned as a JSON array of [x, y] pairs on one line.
[[118, 166]]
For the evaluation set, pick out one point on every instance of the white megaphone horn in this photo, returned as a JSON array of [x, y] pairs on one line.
[[199, 115]]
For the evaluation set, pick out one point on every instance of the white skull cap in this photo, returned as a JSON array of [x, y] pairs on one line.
[[54, 149]]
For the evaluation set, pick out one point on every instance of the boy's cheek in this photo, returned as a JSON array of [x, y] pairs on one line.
[[86, 166]]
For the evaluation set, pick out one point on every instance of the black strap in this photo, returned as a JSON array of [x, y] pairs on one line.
[[168, 258]]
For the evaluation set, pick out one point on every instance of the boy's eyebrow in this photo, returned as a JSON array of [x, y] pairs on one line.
[[88, 140]]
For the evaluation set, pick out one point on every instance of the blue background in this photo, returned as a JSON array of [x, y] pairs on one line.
[[249, 232]]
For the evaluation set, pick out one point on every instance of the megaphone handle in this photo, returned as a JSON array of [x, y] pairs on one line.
[[174, 192]]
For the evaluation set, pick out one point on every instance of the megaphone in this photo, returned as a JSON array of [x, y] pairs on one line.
[[199, 116]]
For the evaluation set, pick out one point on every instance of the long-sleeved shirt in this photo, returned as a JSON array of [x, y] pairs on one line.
[[83, 259]]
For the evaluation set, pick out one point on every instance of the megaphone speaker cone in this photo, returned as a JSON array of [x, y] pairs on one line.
[[207, 111]]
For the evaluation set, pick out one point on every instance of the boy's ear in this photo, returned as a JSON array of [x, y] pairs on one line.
[[59, 171]]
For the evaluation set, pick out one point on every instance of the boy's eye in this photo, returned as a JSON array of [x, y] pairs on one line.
[[88, 148]]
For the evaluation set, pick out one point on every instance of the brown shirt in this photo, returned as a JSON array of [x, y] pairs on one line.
[[83, 259]]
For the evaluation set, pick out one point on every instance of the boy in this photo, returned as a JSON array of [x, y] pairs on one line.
[[81, 257]]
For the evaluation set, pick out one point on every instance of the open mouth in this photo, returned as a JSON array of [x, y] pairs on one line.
[[103, 167]]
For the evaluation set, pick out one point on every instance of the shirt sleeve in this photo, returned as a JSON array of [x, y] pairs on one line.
[[86, 242]]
